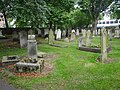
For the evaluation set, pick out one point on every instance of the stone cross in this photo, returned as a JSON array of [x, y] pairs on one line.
[[58, 36], [88, 37], [103, 45], [23, 38], [51, 37], [32, 47]]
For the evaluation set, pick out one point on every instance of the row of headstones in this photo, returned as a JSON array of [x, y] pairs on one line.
[[85, 40], [116, 33], [58, 33]]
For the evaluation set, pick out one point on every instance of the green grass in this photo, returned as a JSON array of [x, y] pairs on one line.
[[73, 69]]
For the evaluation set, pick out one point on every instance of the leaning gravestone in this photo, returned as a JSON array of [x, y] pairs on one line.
[[103, 45], [58, 36], [23, 38], [32, 47], [51, 37], [88, 38], [15, 36]]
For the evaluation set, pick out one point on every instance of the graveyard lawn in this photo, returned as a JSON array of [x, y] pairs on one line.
[[72, 69]]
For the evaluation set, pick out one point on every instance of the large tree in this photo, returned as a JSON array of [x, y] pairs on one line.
[[57, 10], [94, 8], [25, 12]]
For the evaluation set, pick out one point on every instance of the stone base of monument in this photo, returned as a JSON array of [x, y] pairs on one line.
[[109, 60], [58, 45], [28, 65], [94, 50], [10, 59]]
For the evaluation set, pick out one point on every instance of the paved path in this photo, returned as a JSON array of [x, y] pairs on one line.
[[5, 86]]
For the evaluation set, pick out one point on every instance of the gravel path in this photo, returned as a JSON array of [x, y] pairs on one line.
[[5, 86]]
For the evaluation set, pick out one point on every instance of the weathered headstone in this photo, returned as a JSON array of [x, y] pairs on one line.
[[58, 37], [77, 32], [64, 34], [66, 39], [110, 34], [32, 47], [1, 33], [15, 36], [84, 36], [80, 41], [103, 45], [23, 38], [30, 32], [72, 38], [51, 37], [99, 31], [88, 38], [117, 32]]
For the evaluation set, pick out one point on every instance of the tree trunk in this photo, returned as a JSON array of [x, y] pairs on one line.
[[6, 23], [94, 27]]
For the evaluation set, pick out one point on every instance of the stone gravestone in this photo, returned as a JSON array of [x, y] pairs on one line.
[[15, 36], [88, 38], [110, 34], [39, 32], [64, 34], [32, 47], [117, 32], [51, 37], [30, 32], [103, 45], [99, 31], [72, 38], [84, 36], [80, 41], [23, 38], [58, 37], [77, 32], [1, 33]]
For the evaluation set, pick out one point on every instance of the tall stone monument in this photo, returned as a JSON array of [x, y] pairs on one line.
[[103, 45], [117, 32], [88, 37], [32, 47], [84, 36]]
